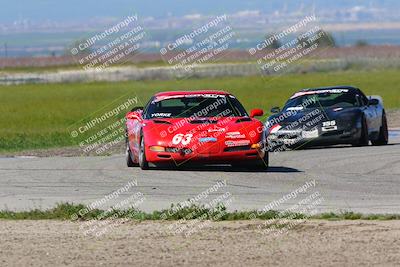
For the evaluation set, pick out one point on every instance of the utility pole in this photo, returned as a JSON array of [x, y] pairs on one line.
[[5, 50]]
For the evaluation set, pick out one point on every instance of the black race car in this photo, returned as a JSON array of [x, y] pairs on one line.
[[328, 116]]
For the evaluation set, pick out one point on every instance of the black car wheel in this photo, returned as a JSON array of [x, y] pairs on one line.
[[364, 138], [383, 138], [144, 165]]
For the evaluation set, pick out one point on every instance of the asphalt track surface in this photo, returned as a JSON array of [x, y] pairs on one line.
[[365, 179]]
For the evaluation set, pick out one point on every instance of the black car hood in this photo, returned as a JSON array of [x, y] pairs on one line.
[[304, 116]]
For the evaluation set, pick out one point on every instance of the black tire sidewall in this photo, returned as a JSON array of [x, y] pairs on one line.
[[383, 137], [142, 157], [129, 160], [364, 139]]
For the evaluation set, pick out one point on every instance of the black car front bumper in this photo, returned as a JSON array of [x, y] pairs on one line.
[[298, 138]]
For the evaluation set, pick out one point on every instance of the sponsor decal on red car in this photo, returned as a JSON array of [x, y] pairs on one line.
[[237, 143]]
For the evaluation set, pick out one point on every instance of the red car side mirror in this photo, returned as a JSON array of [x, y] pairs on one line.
[[134, 115], [256, 113]]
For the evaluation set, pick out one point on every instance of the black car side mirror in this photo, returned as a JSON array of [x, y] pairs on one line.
[[373, 102], [276, 110]]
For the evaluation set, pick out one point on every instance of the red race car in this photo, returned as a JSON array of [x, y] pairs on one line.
[[208, 126]]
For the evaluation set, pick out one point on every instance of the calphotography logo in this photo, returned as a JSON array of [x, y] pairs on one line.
[[199, 211], [118, 211], [287, 50], [203, 45], [114, 45], [103, 130], [293, 211]]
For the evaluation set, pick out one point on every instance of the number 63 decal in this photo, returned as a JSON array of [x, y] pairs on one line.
[[184, 139]]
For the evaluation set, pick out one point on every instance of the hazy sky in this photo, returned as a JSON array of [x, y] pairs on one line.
[[82, 9]]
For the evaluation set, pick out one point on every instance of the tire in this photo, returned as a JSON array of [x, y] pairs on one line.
[[143, 164], [383, 138], [264, 163], [260, 164], [364, 138], [128, 155]]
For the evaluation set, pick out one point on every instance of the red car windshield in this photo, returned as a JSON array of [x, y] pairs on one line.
[[196, 106]]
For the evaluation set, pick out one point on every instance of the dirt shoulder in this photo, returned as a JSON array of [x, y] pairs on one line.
[[239, 243]]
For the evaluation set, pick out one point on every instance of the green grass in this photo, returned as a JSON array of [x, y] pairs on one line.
[[40, 115], [66, 211]]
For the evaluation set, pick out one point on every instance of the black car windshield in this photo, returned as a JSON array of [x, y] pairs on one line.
[[196, 106], [323, 98]]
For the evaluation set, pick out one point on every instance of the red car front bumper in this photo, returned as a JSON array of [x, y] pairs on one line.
[[181, 156]]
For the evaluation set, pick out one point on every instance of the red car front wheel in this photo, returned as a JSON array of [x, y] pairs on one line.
[[143, 163]]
